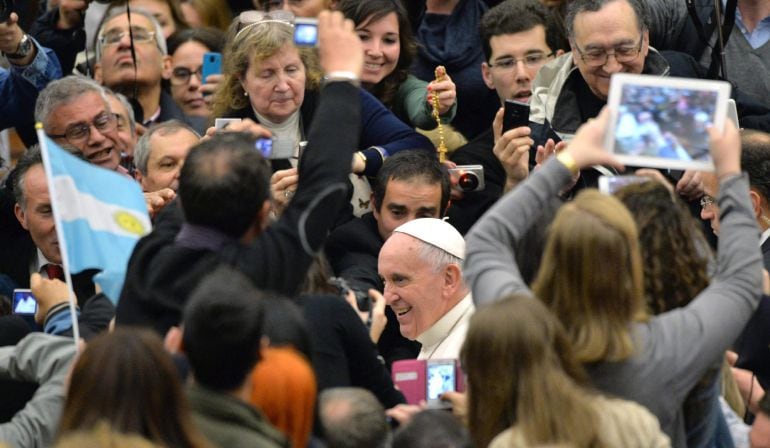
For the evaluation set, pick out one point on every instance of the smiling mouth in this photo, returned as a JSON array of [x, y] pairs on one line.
[[102, 155], [372, 66], [402, 311]]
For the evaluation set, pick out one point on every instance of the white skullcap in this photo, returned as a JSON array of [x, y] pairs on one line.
[[436, 233]]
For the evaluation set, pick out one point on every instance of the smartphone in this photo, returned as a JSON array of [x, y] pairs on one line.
[[611, 184], [442, 377], [516, 115], [305, 32], [212, 65], [274, 148], [24, 303]]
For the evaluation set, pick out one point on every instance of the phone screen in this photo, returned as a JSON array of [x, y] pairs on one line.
[[441, 378], [306, 32], [24, 302]]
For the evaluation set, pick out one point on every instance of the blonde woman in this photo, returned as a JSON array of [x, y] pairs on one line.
[[524, 382], [591, 278]]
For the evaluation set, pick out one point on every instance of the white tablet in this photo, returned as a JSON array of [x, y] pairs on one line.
[[662, 122]]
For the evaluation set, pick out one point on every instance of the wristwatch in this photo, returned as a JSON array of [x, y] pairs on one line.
[[23, 50]]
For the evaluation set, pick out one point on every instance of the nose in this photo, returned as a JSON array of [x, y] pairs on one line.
[[522, 75], [611, 65], [282, 83], [95, 137], [195, 81], [373, 48]]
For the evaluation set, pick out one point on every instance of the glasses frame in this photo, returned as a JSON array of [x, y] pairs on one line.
[[515, 62], [112, 118], [198, 73], [621, 60], [131, 34]]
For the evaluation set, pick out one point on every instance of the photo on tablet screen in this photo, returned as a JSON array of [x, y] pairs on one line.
[[663, 122]]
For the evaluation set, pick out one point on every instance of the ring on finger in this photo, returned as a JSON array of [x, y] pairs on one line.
[[288, 193]]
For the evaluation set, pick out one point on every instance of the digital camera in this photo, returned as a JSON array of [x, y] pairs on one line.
[[468, 177]]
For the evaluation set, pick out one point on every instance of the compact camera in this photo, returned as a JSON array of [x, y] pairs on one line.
[[468, 177]]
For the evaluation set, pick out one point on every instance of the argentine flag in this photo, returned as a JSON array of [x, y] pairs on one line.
[[99, 215]]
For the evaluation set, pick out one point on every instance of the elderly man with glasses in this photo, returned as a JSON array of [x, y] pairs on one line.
[[606, 37], [136, 70]]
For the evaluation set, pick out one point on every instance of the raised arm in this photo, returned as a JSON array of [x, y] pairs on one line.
[[490, 264], [698, 335]]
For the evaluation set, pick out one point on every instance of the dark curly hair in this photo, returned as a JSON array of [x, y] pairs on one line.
[[363, 12], [675, 254]]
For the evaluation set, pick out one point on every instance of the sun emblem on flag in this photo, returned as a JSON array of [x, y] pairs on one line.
[[129, 223]]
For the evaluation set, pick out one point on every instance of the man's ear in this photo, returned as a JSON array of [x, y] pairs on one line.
[[487, 75], [756, 203], [166, 67], [375, 207], [98, 73], [20, 215], [453, 278]]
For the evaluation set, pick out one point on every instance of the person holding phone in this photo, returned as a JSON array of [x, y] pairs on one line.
[[518, 39], [189, 87]]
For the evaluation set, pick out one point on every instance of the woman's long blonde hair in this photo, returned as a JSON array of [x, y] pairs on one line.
[[591, 276], [254, 45], [521, 372]]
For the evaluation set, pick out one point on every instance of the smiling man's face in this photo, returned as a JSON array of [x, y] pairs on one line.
[[413, 290], [100, 148]]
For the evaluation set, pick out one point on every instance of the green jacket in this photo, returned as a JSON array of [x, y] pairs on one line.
[[232, 423]]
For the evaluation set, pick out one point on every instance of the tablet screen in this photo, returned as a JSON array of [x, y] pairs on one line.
[[664, 123]]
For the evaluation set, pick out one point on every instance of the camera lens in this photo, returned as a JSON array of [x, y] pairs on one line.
[[468, 182]]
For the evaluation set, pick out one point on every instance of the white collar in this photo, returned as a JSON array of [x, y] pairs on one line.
[[439, 331]]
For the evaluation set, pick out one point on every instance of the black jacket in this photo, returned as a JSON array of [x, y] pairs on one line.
[[162, 274]]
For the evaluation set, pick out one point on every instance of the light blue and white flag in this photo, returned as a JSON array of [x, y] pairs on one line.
[[99, 215]]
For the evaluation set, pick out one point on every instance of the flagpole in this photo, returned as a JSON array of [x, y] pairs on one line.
[[59, 232]]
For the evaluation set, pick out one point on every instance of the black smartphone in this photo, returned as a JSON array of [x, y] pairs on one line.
[[516, 115]]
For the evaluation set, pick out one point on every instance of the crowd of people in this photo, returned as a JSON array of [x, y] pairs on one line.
[[303, 297]]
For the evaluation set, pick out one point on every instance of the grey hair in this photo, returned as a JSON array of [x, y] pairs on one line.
[[64, 91], [126, 105], [143, 148], [160, 39], [353, 418], [577, 6], [30, 158], [437, 258]]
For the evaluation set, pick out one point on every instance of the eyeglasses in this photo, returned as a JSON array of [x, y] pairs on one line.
[[78, 133], [707, 201], [181, 76], [532, 60], [252, 18], [138, 34], [598, 56]]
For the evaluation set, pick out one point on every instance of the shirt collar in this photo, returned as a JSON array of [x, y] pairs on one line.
[[765, 235], [193, 236], [439, 331]]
